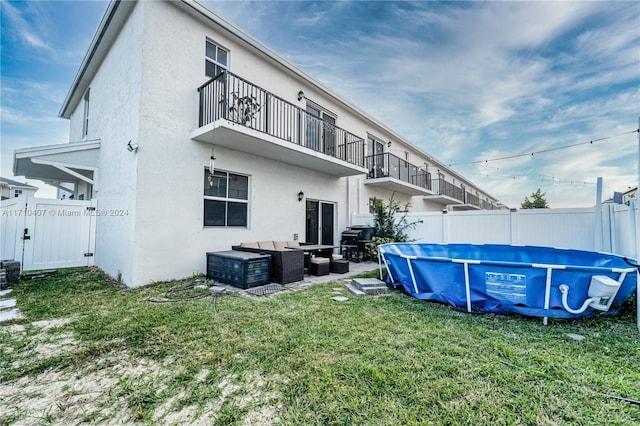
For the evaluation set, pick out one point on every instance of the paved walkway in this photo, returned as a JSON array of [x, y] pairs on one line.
[[8, 310], [308, 281], [354, 269]]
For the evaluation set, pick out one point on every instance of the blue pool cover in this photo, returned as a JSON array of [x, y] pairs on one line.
[[504, 279]]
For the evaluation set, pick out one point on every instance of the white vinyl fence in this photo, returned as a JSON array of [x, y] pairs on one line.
[[47, 233], [611, 229]]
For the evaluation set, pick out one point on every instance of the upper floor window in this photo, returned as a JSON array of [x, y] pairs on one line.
[[226, 199], [216, 59], [320, 130], [85, 116], [376, 159], [376, 147]]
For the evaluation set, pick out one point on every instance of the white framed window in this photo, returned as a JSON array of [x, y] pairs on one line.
[[85, 116], [226, 199], [320, 129], [376, 158], [216, 59], [17, 193], [376, 147]]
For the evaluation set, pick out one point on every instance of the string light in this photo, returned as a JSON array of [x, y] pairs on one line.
[[518, 175], [531, 154], [542, 178]]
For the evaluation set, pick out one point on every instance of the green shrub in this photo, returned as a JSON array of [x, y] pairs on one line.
[[388, 226], [372, 247]]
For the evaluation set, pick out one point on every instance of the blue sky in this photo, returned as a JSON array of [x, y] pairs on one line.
[[465, 81]]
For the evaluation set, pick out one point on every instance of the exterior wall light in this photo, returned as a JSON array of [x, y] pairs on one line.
[[132, 147], [300, 95], [300, 195]]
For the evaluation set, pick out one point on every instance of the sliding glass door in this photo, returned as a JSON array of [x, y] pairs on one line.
[[320, 222]]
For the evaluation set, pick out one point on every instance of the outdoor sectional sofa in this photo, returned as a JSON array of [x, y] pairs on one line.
[[287, 265]]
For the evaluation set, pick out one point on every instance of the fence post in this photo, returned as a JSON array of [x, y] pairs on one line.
[[613, 227], [513, 220], [599, 225], [445, 226]]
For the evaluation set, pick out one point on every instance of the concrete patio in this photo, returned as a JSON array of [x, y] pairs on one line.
[[354, 269]]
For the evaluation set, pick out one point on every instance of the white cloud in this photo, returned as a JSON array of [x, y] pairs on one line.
[[25, 31], [14, 116]]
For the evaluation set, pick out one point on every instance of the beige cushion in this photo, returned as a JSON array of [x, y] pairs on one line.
[[293, 243], [250, 245], [320, 260], [266, 245], [280, 245], [336, 256]]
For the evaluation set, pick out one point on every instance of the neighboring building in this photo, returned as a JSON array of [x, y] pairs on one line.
[[623, 197], [11, 189], [167, 86], [631, 193]]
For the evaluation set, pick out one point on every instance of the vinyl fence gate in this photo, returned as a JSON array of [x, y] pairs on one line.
[[47, 233]]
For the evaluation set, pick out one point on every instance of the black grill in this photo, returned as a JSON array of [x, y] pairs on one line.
[[354, 240], [365, 231], [350, 238]]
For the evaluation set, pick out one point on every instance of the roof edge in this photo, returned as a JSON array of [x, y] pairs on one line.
[[116, 11], [15, 184]]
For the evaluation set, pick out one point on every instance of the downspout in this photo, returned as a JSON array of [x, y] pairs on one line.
[[638, 229], [598, 237], [348, 203]]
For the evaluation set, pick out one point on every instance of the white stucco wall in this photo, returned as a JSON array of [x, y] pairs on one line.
[[170, 239], [114, 120]]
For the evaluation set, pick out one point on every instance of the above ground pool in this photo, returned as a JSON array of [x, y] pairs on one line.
[[503, 279]]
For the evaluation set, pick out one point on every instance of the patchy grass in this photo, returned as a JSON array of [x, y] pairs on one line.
[[90, 352]]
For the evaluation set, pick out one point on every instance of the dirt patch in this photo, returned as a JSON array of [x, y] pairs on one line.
[[49, 324], [37, 341], [117, 388], [56, 397]]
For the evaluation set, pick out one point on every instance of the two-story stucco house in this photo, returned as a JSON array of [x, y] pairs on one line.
[[164, 88], [11, 189]]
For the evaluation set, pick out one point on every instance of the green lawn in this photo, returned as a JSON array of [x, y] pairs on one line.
[[300, 358]]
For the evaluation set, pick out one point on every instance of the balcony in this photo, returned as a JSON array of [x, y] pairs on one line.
[[239, 115], [395, 174], [446, 193], [487, 205], [471, 202]]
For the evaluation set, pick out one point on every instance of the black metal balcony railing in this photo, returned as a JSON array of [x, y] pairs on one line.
[[487, 205], [232, 98], [388, 165], [472, 199], [442, 187]]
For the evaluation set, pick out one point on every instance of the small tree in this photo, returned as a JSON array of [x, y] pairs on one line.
[[538, 201], [388, 227]]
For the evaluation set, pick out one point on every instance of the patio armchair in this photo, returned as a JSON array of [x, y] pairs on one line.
[[287, 265]]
